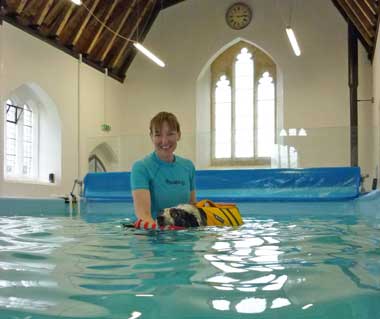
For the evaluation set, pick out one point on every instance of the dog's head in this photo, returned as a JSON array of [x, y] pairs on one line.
[[185, 215]]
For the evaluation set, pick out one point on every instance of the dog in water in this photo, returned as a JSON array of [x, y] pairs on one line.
[[187, 215]]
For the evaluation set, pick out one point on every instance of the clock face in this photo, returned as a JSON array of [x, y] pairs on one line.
[[238, 16]]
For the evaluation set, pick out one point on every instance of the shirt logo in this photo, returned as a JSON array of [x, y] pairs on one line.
[[175, 182]]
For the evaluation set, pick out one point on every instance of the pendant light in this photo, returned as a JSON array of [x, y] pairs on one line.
[[136, 44], [290, 33]]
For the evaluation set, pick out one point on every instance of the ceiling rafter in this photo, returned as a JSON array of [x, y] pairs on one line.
[[86, 31], [31, 8], [69, 30], [370, 16], [138, 37], [107, 32], [56, 32], [352, 12], [117, 31], [21, 6], [130, 53], [54, 13], [84, 23], [371, 4], [361, 18], [76, 30], [95, 39], [132, 33], [37, 21], [168, 3]]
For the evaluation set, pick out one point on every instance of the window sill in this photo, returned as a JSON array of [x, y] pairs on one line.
[[242, 167], [249, 163], [15, 180]]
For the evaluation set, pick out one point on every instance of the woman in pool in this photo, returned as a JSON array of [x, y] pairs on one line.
[[162, 179]]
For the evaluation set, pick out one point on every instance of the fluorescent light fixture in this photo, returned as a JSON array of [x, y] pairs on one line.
[[78, 2], [293, 41], [149, 54]]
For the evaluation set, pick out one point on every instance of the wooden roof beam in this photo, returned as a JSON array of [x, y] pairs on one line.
[[54, 13], [132, 32], [361, 19], [101, 27], [117, 31], [84, 22], [169, 3], [21, 6], [369, 15], [369, 48], [351, 17], [66, 17], [132, 51], [37, 21], [371, 4]]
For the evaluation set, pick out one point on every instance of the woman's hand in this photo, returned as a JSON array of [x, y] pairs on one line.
[[141, 202], [149, 220]]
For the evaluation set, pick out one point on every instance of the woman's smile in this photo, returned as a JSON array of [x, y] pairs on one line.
[[165, 142]]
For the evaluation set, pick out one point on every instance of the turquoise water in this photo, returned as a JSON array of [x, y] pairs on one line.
[[301, 260]]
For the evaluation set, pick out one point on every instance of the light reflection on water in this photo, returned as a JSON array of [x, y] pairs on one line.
[[249, 250], [62, 267]]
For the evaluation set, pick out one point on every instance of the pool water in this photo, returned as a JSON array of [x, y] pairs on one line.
[[304, 260]]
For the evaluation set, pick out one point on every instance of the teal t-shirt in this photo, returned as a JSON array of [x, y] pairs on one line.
[[169, 184]]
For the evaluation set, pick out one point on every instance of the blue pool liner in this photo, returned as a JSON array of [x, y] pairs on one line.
[[244, 185], [39, 206]]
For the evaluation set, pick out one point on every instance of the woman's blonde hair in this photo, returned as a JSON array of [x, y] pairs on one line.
[[161, 118]]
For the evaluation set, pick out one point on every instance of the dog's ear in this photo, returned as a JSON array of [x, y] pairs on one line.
[[183, 218], [190, 220], [203, 216]]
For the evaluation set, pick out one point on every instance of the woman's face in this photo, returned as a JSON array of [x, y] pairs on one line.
[[165, 141]]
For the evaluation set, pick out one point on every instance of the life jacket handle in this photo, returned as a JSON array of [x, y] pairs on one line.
[[208, 202]]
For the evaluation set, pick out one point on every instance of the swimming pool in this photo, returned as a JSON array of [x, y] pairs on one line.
[[289, 260]]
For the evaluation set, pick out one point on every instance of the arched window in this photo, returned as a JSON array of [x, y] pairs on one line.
[[95, 165], [32, 139], [21, 132], [243, 106]]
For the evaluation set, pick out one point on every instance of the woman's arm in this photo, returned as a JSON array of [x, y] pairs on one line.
[[193, 197], [141, 202]]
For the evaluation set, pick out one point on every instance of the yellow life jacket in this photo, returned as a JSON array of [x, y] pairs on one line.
[[220, 214]]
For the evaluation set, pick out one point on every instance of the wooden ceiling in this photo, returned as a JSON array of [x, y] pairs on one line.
[[90, 29], [364, 16]]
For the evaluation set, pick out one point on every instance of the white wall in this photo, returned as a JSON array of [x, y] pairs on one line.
[[29, 60], [313, 88], [314, 91]]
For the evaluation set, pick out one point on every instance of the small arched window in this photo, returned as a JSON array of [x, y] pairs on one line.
[[20, 135], [95, 165], [243, 106], [32, 139]]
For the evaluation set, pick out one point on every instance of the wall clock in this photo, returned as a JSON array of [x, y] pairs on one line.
[[238, 16]]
